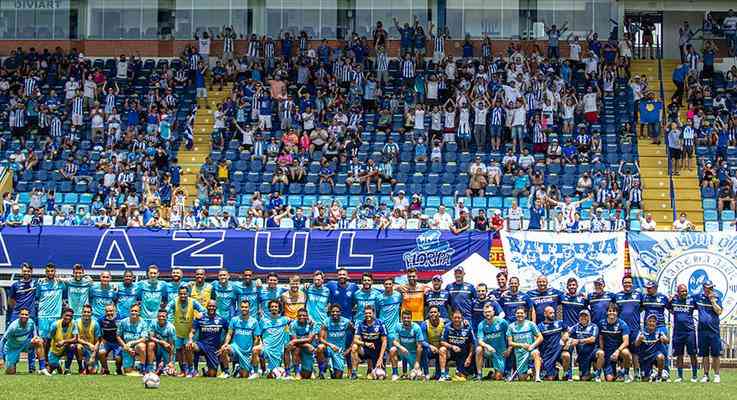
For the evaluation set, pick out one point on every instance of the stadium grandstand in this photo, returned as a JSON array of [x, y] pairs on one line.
[[447, 129]]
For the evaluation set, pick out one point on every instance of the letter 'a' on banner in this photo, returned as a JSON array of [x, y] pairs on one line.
[[689, 258], [560, 256]]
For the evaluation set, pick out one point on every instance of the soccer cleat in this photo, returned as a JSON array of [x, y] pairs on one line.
[[705, 379], [395, 378], [133, 373], [354, 377], [627, 379], [694, 379], [678, 380], [717, 379], [570, 379], [254, 375], [458, 378], [44, 372], [224, 375], [443, 379], [597, 379]]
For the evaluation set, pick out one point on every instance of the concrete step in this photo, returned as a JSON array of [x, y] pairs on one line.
[[654, 162], [653, 172], [655, 183], [652, 151]]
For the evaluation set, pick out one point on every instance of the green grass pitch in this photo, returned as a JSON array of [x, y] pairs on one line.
[[24, 386]]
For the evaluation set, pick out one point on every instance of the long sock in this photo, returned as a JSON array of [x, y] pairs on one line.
[[395, 371], [31, 361], [185, 367], [680, 372], [321, 367], [226, 370], [42, 363], [297, 369], [694, 370], [627, 371]]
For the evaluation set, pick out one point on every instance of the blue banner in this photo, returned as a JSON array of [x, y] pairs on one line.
[[650, 111], [279, 250]]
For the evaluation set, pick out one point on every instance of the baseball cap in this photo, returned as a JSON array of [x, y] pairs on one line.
[[460, 269], [651, 316], [708, 284], [437, 278], [651, 284], [599, 281], [584, 312]]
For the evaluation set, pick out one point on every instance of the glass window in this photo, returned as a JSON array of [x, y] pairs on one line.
[[29, 20], [183, 19], [149, 19], [495, 18], [211, 15], [239, 16], [328, 18]]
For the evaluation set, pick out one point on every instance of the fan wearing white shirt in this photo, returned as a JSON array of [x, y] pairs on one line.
[[682, 224], [441, 220], [647, 224]]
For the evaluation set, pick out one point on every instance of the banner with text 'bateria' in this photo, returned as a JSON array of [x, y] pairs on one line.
[[690, 258], [559, 256], [279, 250]]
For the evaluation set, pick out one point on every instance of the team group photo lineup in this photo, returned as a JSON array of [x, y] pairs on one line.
[[424, 191]]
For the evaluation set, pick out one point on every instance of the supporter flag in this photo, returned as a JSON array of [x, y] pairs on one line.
[[650, 111]]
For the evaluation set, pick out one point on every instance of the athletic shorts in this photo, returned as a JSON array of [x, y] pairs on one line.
[[460, 359], [336, 358], [496, 130], [684, 341], [497, 359], [647, 363], [273, 357], [242, 357], [180, 342], [710, 344], [517, 132], [369, 354], [162, 355], [69, 353], [548, 364], [410, 358], [44, 326], [585, 361], [213, 362], [12, 354], [633, 340], [307, 360], [113, 350]]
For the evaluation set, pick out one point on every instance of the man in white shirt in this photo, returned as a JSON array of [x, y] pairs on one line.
[[647, 224], [515, 217], [400, 201], [568, 207], [682, 224], [477, 165], [441, 220], [574, 50]]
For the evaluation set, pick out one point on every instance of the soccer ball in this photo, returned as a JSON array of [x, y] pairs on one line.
[[379, 374], [279, 372], [415, 374], [151, 381]]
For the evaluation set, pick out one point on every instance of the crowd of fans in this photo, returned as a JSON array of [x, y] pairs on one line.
[[297, 111]]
